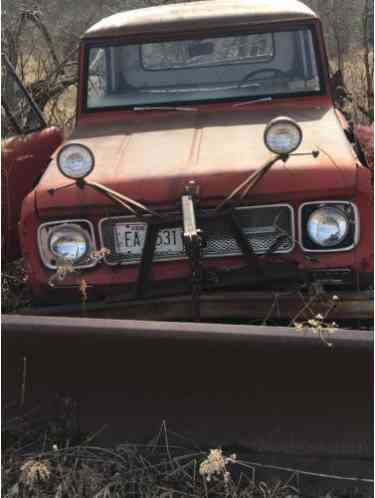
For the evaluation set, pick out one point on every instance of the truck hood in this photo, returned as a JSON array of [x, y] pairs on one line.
[[151, 156]]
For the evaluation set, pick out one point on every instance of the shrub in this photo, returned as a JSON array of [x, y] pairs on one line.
[[365, 136]]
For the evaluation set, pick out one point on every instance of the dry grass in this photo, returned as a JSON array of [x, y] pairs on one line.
[[50, 460], [38, 462], [14, 287]]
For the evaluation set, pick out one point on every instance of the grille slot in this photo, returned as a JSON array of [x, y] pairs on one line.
[[263, 227]]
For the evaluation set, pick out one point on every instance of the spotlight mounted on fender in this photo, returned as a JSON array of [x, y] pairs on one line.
[[283, 136], [75, 161]]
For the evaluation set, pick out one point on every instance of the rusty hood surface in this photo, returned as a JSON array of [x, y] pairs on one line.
[[151, 156]]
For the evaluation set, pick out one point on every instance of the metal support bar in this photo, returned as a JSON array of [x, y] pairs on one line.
[[244, 245], [146, 262], [193, 242], [193, 237]]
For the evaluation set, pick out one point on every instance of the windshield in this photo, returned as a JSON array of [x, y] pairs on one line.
[[244, 66]]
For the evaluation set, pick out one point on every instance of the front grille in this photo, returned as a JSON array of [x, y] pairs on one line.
[[266, 228], [262, 226]]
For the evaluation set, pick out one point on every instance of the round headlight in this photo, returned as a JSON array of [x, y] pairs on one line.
[[75, 161], [327, 226], [282, 136], [69, 242]]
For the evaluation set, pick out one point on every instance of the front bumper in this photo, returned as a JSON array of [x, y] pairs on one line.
[[221, 305]]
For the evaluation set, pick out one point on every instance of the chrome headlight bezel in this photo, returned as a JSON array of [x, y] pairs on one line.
[[286, 124], [50, 259], [349, 241], [85, 152]]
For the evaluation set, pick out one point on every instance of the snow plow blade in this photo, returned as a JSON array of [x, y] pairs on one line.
[[260, 388]]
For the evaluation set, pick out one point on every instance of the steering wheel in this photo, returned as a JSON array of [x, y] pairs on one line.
[[273, 70]]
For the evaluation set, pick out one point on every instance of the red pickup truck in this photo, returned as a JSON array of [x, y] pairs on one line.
[[209, 168]]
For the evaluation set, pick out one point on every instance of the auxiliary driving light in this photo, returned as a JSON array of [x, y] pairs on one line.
[[282, 135], [75, 161]]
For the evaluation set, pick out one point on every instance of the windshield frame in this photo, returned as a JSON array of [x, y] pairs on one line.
[[172, 36]]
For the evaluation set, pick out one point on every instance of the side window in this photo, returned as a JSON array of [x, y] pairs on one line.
[[97, 84], [19, 113]]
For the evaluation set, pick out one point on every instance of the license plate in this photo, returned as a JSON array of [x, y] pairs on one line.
[[130, 239]]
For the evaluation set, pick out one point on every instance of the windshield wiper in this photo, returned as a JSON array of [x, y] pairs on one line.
[[164, 108], [193, 109], [249, 102]]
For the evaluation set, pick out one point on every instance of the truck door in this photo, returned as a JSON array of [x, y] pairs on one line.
[[26, 148]]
